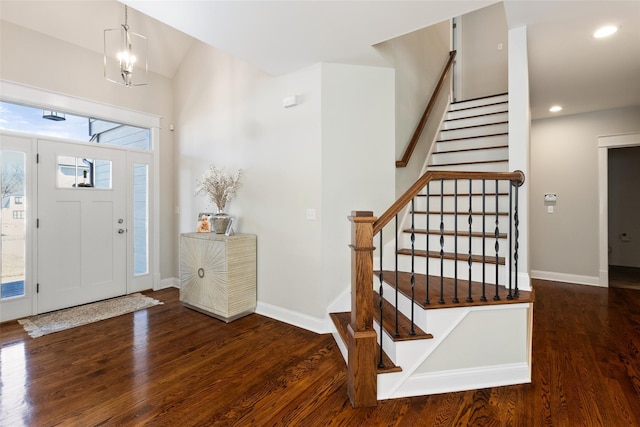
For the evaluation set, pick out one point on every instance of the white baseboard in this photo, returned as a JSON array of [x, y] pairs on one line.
[[301, 320], [604, 278], [462, 379], [568, 278], [169, 282]]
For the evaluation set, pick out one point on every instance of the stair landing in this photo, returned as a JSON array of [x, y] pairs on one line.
[[404, 286]]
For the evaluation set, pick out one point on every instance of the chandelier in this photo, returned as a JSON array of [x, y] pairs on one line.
[[125, 55]]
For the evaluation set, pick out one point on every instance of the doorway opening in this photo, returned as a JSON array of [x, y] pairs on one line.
[[619, 231], [623, 213]]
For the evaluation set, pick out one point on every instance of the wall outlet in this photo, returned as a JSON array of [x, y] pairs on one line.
[[311, 214]]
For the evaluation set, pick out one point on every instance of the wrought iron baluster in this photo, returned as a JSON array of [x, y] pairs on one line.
[[484, 234], [413, 273], [470, 261], [455, 241], [396, 332], [426, 300], [380, 274], [516, 221], [441, 300], [510, 294], [496, 297]]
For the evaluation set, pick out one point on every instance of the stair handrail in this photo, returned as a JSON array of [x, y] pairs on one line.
[[516, 177], [425, 116]]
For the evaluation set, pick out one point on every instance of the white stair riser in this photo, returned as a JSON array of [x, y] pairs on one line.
[[419, 266], [479, 167], [479, 102], [402, 353], [486, 154], [477, 111], [448, 203], [476, 121], [420, 243], [465, 144], [446, 135], [449, 221], [420, 316], [427, 320], [448, 186]]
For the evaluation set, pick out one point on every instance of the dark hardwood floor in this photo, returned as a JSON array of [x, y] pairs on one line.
[[172, 366], [624, 277]]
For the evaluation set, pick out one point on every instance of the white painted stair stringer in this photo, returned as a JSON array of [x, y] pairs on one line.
[[463, 373]]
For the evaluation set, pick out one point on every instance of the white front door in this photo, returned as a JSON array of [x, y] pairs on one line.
[[81, 224]]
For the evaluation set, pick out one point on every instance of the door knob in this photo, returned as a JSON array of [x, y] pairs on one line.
[[120, 231]]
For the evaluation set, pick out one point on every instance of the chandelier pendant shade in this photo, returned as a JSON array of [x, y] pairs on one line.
[[125, 55]]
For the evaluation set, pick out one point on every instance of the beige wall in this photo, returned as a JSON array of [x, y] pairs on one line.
[[564, 160], [330, 153], [418, 59], [33, 59], [484, 65]]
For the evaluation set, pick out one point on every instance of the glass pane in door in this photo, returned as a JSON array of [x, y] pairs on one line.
[[13, 219], [140, 219]]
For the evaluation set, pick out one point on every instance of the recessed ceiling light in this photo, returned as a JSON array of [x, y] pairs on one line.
[[555, 109], [605, 31]]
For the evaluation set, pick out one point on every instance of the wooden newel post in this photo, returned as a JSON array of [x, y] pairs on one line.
[[362, 378]]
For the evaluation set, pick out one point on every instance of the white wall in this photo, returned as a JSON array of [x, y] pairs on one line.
[[564, 160], [33, 59], [484, 65], [519, 143], [624, 206], [418, 59], [357, 158], [323, 154]]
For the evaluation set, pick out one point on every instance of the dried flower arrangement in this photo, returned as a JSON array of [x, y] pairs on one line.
[[219, 186]]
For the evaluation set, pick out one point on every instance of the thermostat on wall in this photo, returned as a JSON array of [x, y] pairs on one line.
[[290, 101], [550, 197]]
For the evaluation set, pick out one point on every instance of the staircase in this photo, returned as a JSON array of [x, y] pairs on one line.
[[474, 136], [445, 288]]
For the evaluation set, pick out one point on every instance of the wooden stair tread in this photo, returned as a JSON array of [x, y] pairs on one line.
[[452, 233], [489, 258], [404, 286], [341, 320], [389, 322]]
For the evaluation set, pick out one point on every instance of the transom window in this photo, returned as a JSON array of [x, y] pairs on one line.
[[59, 124]]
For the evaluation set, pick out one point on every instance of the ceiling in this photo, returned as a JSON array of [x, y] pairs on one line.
[[567, 66]]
